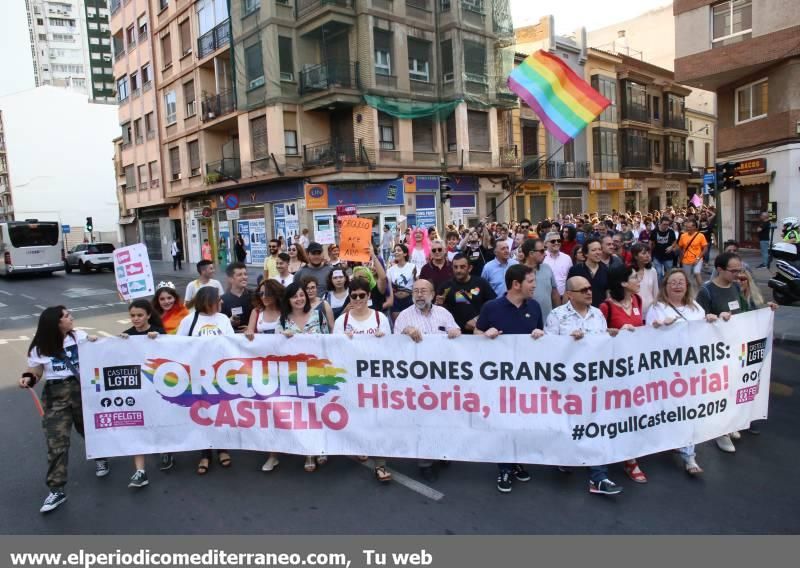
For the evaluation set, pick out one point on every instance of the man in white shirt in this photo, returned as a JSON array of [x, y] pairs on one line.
[[284, 277], [206, 270], [559, 262]]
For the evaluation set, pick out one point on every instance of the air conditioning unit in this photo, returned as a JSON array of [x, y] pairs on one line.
[[287, 76], [257, 82]]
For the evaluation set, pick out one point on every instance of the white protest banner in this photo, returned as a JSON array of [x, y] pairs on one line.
[[553, 401], [133, 272]]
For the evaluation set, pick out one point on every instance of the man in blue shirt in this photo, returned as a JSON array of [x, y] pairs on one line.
[[494, 271], [514, 313]]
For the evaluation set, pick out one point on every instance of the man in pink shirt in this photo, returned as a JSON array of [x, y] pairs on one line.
[[558, 262]]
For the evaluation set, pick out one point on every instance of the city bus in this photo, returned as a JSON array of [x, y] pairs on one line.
[[30, 246]]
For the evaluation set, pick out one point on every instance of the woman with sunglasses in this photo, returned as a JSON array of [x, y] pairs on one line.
[[360, 319], [207, 321], [297, 257], [297, 317]]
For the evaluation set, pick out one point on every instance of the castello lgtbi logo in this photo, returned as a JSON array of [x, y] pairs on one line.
[[753, 352], [123, 377]]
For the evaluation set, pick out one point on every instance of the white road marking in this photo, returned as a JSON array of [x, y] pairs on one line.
[[26, 296], [6, 293], [2, 305], [407, 482], [40, 307], [20, 338], [123, 322], [104, 333]]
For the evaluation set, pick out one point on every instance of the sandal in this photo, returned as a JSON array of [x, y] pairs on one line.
[[202, 467], [311, 465], [224, 459], [382, 475], [692, 468], [322, 460], [633, 471]]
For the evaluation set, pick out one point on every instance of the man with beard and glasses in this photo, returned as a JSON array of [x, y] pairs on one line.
[[465, 294]]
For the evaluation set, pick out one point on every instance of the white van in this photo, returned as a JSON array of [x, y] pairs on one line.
[[30, 246]]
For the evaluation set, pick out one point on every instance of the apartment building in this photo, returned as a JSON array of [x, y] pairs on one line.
[[637, 146], [555, 176], [747, 51], [277, 115], [6, 203], [71, 46]]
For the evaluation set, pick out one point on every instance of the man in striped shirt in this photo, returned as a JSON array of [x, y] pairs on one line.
[[424, 318]]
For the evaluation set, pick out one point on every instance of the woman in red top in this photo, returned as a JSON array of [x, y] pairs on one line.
[[569, 236], [623, 312]]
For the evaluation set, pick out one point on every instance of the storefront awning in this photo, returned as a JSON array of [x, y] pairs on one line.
[[757, 179], [127, 220]]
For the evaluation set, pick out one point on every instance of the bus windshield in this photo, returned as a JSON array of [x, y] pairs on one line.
[[33, 234]]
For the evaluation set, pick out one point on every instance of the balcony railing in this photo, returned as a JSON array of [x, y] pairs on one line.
[[639, 161], [218, 105], [635, 112], [306, 6], [423, 87], [675, 164], [214, 39], [677, 122], [509, 157], [223, 170], [334, 153], [325, 76], [262, 166], [385, 81], [537, 168]]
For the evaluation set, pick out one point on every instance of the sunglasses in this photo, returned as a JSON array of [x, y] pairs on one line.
[[555, 241], [586, 290], [437, 250], [358, 296], [538, 250]]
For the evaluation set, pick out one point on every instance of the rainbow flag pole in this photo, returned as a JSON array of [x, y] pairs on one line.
[[564, 102]]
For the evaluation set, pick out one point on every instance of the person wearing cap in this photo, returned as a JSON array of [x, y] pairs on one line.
[[316, 267]]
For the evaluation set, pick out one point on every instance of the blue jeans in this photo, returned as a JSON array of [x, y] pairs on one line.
[[764, 246], [598, 473], [662, 267]]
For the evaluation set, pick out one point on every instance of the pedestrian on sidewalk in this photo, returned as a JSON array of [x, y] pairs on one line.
[[222, 253], [764, 238], [238, 249], [175, 251]]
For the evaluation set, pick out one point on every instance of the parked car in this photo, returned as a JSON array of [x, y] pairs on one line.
[[87, 256]]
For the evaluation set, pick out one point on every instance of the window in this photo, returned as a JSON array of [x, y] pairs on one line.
[[137, 131], [751, 101], [122, 89], [171, 106], [707, 154], [92, 26], [162, 4], [42, 37], [635, 149], [673, 106], [656, 108], [676, 152], [175, 163], [142, 27], [194, 158], [475, 61], [419, 56], [147, 75], [130, 179], [478, 126], [130, 36], [731, 22], [154, 174], [530, 138], [447, 61], [473, 6], [569, 151], [126, 134], [149, 125], [254, 65], [604, 150], [636, 102], [166, 51], [422, 134], [96, 41], [655, 151], [608, 88], [383, 53], [135, 83], [142, 171], [211, 13], [39, 21], [258, 137], [253, 5], [188, 98], [691, 151], [450, 126], [186, 37], [290, 142], [286, 58], [386, 131]]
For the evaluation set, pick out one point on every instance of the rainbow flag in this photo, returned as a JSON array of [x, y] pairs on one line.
[[563, 100]]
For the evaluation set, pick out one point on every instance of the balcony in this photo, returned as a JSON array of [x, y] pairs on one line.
[[509, 157], [306, 6], [472, 14], [218, 105], [676, 122], [385, 81], [336, 154], [635, 112], [635, 161], [214, 39], [223, 170], [567, 170], [677, 164], [329, 75]]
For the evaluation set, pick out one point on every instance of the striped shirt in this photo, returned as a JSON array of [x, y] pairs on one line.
[[437, 321]]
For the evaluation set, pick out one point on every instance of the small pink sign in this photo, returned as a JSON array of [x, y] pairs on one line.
[[118, 419], [746, 394]]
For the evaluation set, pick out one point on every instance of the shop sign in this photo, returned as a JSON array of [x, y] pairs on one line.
[[206, 213], [316, 196], [751, 167]]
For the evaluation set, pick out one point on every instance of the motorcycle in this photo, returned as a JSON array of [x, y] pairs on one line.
[[786, 282]]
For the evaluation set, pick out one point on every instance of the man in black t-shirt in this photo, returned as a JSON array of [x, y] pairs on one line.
[[662, 243], [479, 249], [465, 294], [237, 303]]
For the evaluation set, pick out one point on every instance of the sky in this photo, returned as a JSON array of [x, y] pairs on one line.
[[16, 67]]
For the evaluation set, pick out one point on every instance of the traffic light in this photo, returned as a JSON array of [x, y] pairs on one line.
[[730, 181], [89, 225], [445, 188], [719, 179]]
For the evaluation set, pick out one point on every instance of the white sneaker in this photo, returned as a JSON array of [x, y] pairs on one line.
[[735, 435], [271, 463], [724, 443]]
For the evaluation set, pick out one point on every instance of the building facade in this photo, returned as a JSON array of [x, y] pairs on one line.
[[71, 46], [747, 52], [638, 144], [283, 115], [6, 203]]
